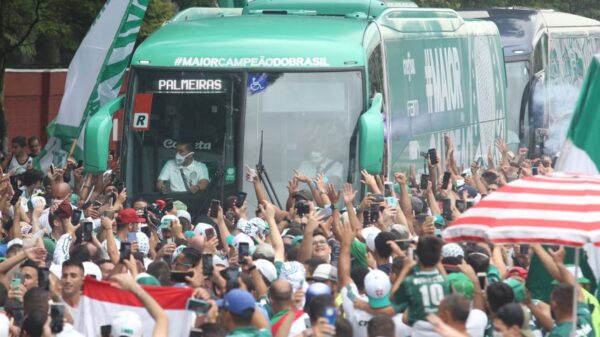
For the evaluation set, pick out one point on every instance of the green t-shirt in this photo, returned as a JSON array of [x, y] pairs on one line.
[[584, 325], [422, 293], [250, 332], [358, 254]]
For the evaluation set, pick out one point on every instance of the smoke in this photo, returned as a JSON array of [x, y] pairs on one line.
[[560, 100]]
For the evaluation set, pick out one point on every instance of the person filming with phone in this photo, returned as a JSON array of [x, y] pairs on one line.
[[183, 174]]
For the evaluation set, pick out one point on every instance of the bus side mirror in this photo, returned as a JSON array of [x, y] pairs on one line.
[[371, 137], [97, 136]]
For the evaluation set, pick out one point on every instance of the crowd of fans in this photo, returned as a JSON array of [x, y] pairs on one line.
[[333, 262]]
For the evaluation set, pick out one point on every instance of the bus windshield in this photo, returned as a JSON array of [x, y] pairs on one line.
[[308, 120], [197, 138], [517, 75]]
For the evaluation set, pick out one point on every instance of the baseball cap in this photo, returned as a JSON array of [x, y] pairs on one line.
[[267, 269], [241, 237], [264, 250], [293, 272], [239, 302], [14, 242], [304, 194], [180, 206], [126, 324], [129, 215], [147, 279], [400, 231], [461, 284], [452, 250], [90, 268], [518, 289], [370, 233], [377, 288], [165, 221], [519, 271], [253, 226], [317, 289], [220, 261], [184, 214], [201, 228], [324, 272]]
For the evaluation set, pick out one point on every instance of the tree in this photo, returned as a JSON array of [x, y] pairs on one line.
[[18, 22]]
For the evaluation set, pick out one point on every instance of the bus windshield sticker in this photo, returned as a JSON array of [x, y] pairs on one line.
[[257, 82]]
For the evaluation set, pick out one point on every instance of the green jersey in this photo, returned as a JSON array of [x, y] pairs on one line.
[[250, 332], [422, 293], [584, 325]]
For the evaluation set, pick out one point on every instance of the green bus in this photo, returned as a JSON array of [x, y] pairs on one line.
[[316, 86], [547, 54]]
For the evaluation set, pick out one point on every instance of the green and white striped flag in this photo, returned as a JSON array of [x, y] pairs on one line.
[[94, 78], [581, 151]]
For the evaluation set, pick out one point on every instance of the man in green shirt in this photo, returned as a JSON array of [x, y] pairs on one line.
[[240, 317], [423, 291], [562, 307]]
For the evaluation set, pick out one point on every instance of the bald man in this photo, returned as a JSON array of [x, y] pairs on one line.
[[281, 298]]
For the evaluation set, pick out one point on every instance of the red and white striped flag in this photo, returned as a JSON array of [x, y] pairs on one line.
[[100, 303], [554, 209]]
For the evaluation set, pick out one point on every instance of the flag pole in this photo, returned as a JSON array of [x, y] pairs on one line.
[[575, 295], [70, 153]]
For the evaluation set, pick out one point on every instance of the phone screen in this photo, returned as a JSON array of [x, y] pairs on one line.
[[214, 208], [105, 330], [76, 217], [179, 276], [243, 251], [388, 188], [240, 199], [209, 233], [447, 208], [198, 306], [207, 264], [330, 314], [432, 153], [125, 251], [424, 181], [88, 228], [196, 333], [446, 180], [57, 315], [16, 196], [131, 236], [43, 278]]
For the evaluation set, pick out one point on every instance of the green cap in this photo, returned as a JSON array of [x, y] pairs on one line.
[[189, 234], [518, 289], [180, 205], [297, 240], [439, 220], [147, 280], [358, 250], [461, 284]]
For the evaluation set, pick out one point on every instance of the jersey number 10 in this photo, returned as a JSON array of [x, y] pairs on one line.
[[431, 294]]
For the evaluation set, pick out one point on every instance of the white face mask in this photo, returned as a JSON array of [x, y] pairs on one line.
[[497, 334], [179, 159], [316, 157]]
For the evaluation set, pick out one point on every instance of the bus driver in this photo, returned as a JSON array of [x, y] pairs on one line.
[[183, 174]]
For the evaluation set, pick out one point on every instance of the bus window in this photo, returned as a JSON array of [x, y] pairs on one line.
[[540, 54], [191, 133], [375, 72], [308, 120]]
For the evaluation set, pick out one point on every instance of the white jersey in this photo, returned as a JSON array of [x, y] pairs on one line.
[[17, 168], [174, 175]]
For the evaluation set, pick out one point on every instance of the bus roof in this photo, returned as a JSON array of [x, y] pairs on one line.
[[255, 41], [372, 8]]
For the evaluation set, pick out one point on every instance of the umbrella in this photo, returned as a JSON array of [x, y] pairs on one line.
[[553, 209], [557, 209]]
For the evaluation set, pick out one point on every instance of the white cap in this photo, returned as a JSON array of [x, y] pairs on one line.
[[377, 288], [220, 261], [325, 272], [241, 237], [452, 250], [201, 228], [126, 324], [293, 272], [370, 233], [14, 242], [253, 226], [167, 220], [267, 269], [184, 214], [90, 268]]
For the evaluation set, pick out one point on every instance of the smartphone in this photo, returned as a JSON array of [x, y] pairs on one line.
[[240, 199], [131, 236], [404, 244], [207, 264], [79, 164], [52, 169], [209, 233], [214, 208], [14, 182], [378, 198], [125, 251], [105, 330], [57, 316], [16, 282], [146, 230], [196, 333], [424, 181], [16, 196], [445, 180], [198, 306], [330, 314], [109, 214], [447, 208], [44, 278], [243, 251], [76, 217], [96, 204], [302, 208], [88, 228], [366, 218], [179, 276], [374, 212], [392, 201], [534, 171], [388, 189], [524, 249], [250, 175], [324, 212], [482, 277], [432, 154]]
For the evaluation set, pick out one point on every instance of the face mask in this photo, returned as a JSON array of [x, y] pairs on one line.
[[179, 159], [497, 334], [316, 157]]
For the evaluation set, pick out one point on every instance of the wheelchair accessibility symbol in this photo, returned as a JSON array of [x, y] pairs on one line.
[[257, 82]]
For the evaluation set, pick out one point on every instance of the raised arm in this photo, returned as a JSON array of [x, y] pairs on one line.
[[305, 250], [268, 209], [344, 234]]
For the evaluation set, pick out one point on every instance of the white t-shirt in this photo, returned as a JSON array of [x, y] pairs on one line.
[[359, 318], [476, 323], [193, 173], [15, 167], [142, 240], [61, 250]]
